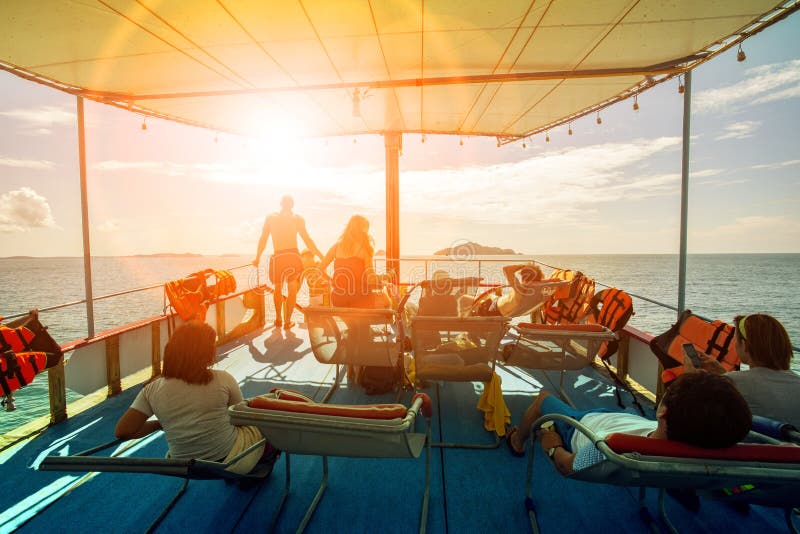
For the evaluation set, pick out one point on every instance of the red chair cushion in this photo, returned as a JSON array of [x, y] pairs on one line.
[[361, 411], [623, 443], [288, 394]]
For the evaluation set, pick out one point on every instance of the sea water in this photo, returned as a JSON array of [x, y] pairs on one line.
[[718, 286]]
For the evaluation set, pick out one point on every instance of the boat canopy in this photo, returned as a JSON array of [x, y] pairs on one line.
[[507, 69]]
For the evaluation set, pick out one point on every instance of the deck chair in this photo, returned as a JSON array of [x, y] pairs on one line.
[[187, 469], [456, 349], [768, 475], [353, 336], [571, 347], [295, 424]]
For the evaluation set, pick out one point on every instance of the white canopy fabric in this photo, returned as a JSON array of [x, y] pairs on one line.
[[339, 67]]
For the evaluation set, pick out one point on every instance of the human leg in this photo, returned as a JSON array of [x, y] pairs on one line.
[[291, 298], [277, 297], [523, 431]]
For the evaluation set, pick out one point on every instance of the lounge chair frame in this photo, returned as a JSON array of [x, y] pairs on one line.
[[557, 348], [367, 352], [496, 326], [187, 469], [662, 472], [330, 435]]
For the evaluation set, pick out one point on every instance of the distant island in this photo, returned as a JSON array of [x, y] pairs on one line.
[[168, 255], [471, 248]]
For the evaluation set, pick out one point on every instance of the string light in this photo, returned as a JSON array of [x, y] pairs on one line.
[[460, 141], [681, 88], [599, 120], [144, 123], [635, 102], [423, 138], [740, 56], [498, 143], [546, 137], [569, 132], [524, 145]]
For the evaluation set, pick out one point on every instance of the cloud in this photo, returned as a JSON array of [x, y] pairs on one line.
[[109, 226], [40, 120], [739, 130], [777, 165], [766, 83], [40, 164], [23, 209], [755, 233]]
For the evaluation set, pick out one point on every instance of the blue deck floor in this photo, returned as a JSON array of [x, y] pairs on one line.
[[471, 490]]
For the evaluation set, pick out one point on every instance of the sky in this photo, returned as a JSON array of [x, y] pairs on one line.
[[609, 188]]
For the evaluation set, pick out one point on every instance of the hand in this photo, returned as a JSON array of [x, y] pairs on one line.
[[255, 262], [711, 364], [550, 439]]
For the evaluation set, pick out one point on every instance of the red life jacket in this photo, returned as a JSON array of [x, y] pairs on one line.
[[611, 308], [559, 310], [715, 338], [15, 339], [191, 296], [18, 369]]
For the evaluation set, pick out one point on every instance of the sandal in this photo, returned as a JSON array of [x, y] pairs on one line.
[[511, 431]]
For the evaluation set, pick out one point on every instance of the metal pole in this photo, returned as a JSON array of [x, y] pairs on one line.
[[687, 100], [87, 254], [393, 142]]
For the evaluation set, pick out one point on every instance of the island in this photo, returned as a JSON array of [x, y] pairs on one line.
[[471, 248]]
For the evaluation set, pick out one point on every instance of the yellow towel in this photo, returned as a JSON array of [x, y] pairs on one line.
[[496, 415]]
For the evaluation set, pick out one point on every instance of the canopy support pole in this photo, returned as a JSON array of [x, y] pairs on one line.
[[87, 254], [393, 142], [687, 101]]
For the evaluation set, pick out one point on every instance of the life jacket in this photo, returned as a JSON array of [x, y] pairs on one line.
[[188, 296], [15, 339], [559, 310], [715, 338], [225, 282], [18, 369], [611, 308]]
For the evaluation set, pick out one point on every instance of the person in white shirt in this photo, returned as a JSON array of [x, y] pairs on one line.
[[190, 402], [700, 409]]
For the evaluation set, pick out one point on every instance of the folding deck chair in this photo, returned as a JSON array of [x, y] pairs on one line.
[[187, 469], [450, 348], [571, 347], [768, 475], [295, 424], [353, 336]]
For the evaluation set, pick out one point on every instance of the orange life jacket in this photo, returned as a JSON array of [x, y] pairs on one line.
[[188, 296], [225, 282], [558, 310], [18, 369], [611, 308], [15, 339], [715, 338]]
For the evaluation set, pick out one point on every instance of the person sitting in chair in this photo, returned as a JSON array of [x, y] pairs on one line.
[[521, 300], [700, 409]]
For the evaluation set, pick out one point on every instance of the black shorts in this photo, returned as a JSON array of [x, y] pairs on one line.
[[285, 265]]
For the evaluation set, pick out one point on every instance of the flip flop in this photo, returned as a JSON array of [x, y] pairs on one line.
[[511, 431]]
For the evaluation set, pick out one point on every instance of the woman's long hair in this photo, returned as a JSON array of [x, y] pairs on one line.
[[766, 340], [190, 352], [355, 240]]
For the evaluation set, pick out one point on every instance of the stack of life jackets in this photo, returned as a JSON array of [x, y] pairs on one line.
[[191, 296], [20, 361], [560, 309]]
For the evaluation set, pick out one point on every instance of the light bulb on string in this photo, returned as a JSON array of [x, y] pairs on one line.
[[569, 131], [681, 88], [547, 137], [740, 55], [460, 141], [635, 102], [599, 120], [423, 138], [144, 123]]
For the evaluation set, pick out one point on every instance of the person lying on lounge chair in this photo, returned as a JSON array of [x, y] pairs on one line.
[[521, 300], [700, 409]]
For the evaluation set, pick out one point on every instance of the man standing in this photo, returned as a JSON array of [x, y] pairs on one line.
[[285, 263]]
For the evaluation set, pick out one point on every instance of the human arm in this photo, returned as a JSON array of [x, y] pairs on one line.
[[234, 391], [329, 257], [562, 458], [510, 271], [301, 229], [262, 242], [135, 424], [710, 364]]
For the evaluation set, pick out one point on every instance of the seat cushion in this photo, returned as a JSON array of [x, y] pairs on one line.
[[361, 411], [625, 443]]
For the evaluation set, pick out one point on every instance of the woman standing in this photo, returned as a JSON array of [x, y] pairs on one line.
[[352, 265], [191, 401]]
